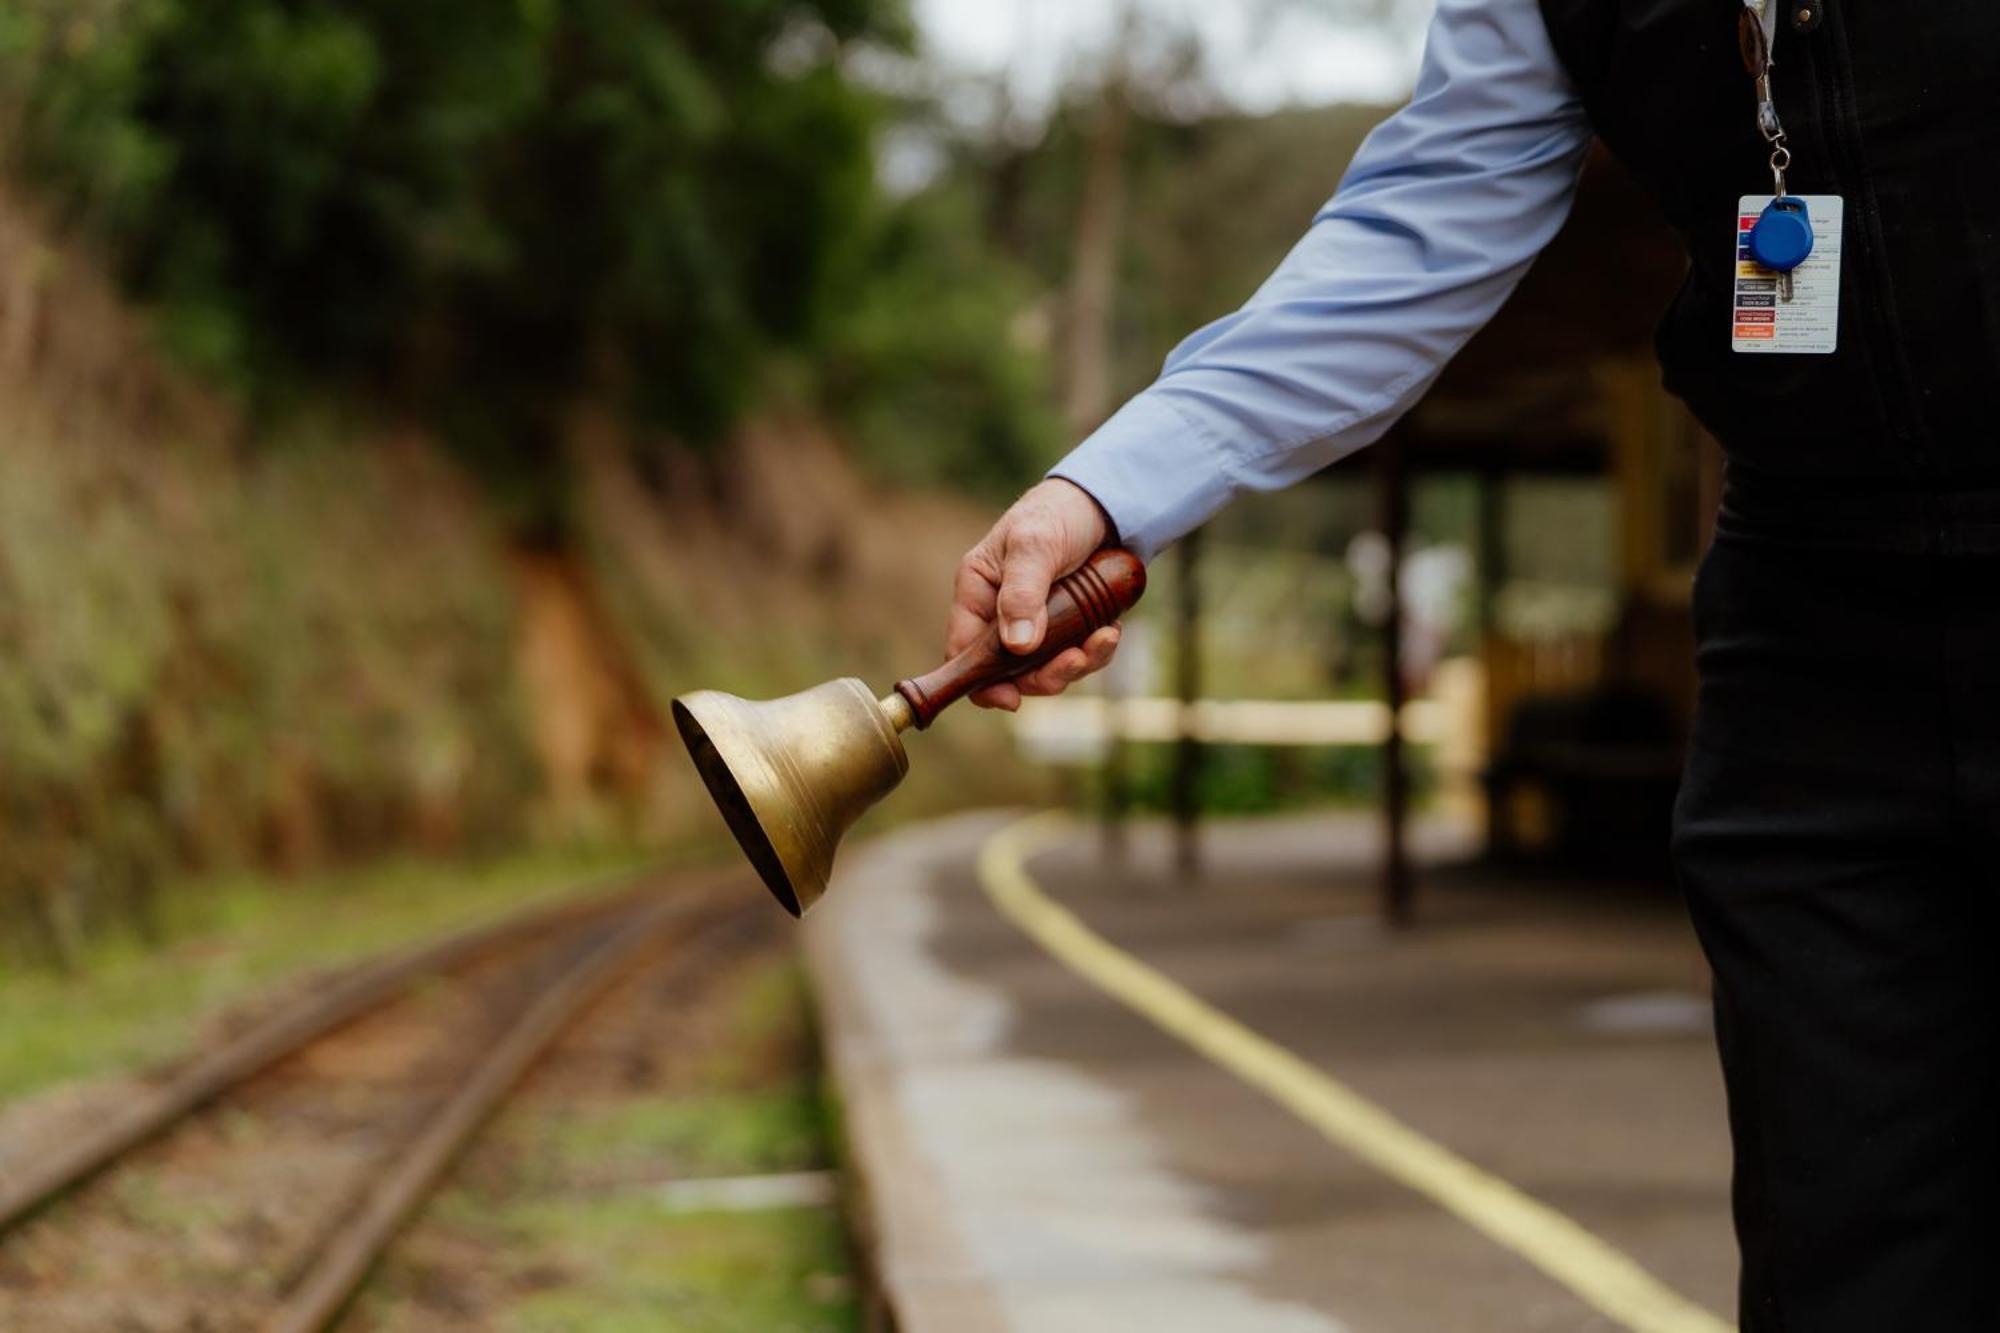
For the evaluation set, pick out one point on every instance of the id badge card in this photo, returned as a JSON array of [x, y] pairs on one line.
[[1809, 322]]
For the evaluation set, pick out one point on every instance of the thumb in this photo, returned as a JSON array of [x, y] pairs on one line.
[[1027, 569]]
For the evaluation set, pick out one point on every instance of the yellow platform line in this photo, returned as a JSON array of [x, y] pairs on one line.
[[1599, 1274]]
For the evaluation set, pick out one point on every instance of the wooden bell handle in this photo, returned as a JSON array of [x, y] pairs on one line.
[[1107, 586]]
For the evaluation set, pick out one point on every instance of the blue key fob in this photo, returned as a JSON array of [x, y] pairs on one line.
[[1783, 236]]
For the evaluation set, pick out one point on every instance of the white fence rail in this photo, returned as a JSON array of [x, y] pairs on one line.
[[1077, 730]]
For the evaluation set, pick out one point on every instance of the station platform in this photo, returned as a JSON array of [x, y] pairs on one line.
[[1091, 1097]]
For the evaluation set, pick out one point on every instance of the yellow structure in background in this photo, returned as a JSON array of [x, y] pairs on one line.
[[1664, 473]]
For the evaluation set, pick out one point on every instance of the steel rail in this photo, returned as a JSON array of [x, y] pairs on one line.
[[323, 1291], [25, 1189]]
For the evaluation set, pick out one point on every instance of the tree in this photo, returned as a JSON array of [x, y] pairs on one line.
[[473, 210], [1158, 63]]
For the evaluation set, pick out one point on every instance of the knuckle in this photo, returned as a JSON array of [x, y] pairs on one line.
[[1031, 538]]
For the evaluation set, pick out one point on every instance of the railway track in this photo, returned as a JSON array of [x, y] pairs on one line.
[[525, 980]]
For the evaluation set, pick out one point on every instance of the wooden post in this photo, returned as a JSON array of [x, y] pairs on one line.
[[1492, 576], [1492, 555], [1187, 682], [1115, 795], [1093, 283], [1393, 506]]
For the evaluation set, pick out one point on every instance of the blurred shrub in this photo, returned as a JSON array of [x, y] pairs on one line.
[[1247, 780], [479, 208], [202, 665], [285, 634], [935, 369]]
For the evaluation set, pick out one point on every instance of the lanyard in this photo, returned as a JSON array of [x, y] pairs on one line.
[[1758, 31]]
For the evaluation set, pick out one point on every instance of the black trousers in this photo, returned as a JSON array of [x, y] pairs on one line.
[[1838, 841]]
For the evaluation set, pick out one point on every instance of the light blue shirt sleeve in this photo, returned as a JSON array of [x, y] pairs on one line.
[[1437, 219]]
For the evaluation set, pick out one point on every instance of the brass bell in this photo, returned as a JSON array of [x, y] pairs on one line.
[[792, 775]]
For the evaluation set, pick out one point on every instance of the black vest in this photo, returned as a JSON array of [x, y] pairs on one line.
[[1895, 106]]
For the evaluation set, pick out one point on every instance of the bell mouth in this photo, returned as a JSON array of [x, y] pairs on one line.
[[736, 809]]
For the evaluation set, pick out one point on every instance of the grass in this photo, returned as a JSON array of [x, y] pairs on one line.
[[718, 1134], [775, 1272], [579, 1243], [573, 1253], [133, 1004]]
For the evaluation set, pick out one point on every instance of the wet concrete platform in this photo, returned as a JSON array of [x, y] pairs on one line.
[[1035, 1156]]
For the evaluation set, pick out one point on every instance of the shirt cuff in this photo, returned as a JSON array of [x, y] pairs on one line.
[[1156, 475]]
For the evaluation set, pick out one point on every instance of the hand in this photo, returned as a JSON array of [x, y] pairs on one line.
[[1006, 578]]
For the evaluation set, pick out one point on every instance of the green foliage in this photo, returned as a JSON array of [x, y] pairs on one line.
[[928, 368], [1252, 780], [480, 208]]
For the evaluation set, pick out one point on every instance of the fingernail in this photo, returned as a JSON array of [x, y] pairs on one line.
[[1020, 632]]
